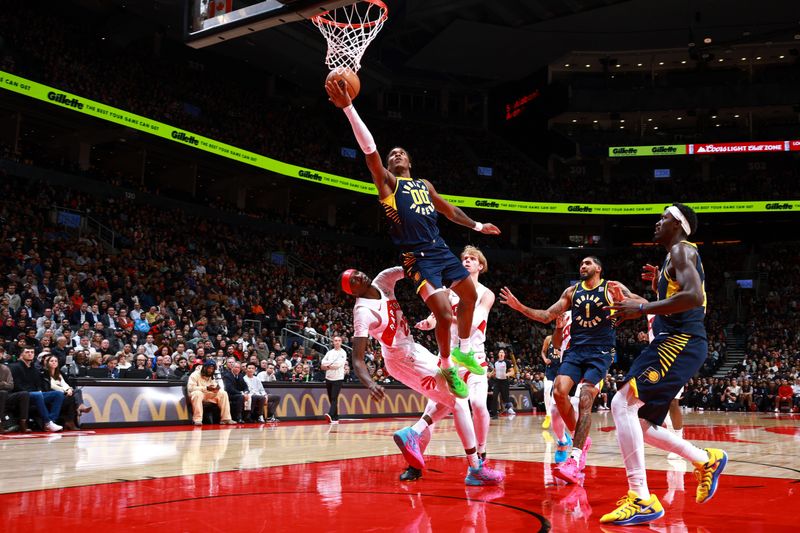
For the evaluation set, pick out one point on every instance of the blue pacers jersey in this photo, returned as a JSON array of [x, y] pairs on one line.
[[411, 214], [591, 324], [691, 322]]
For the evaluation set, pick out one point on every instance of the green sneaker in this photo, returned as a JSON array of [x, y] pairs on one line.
[[468, 361], [456, 385]]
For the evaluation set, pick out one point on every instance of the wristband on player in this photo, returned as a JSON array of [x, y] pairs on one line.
[[641, 308], [478, 227]]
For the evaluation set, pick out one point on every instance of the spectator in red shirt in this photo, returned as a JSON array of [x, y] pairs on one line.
[[784, 396]]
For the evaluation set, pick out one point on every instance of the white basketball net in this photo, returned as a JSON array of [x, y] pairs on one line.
[[349, 30]]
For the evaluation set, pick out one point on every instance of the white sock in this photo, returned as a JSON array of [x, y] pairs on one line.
[[630, 439], [576, 454], [666, 440], [419, 426], [444, 362], [473, 460], [465, 345], [678, 432]]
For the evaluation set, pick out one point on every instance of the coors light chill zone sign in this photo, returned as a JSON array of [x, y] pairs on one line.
[[708, 148]]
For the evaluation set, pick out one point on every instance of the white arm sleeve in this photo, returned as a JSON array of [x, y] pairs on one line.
[[363, 136], [387, 279]]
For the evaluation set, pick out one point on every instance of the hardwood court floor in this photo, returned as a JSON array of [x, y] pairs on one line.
[[314, 477]]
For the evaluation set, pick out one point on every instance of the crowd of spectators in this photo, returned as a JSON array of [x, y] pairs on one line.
[[180, 289], [167, 83]]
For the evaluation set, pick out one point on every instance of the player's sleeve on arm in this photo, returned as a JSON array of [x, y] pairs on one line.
[[388, 278]]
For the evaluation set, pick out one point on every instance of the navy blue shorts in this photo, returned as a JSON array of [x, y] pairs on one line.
[[551, 370], [587, 363], [662, 369], [435, 265]]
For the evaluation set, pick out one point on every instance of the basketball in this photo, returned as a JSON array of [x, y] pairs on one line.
[[346, 75]]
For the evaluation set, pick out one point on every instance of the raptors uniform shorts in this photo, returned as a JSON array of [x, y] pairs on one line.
[[662, 369], [435, 265], [418, 369]]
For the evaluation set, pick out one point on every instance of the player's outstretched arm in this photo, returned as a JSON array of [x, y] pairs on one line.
[[544, 316], [455, 214], [620, 292], [689, 296], [360, 368], [383, 179]]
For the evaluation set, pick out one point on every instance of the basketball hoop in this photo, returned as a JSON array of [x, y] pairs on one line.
[[349, 30]]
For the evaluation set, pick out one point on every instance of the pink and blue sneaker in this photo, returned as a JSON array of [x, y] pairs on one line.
[[571, 470], [563, 448], [407, 441], [483, 476]]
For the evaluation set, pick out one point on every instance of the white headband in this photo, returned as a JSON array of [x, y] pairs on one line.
[[677, 215]]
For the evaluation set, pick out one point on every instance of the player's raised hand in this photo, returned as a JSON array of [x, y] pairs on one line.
[[337, 93], [376, 392], [507, 298], [626, 309], [650, 273], [490, 229]]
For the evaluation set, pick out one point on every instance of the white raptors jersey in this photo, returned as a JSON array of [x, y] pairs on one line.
[[477, 333], [383, 319]]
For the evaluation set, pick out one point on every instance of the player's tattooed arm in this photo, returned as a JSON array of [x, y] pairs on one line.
[[544, 316]]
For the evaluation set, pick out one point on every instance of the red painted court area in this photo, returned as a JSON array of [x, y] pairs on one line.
[[364, 495]]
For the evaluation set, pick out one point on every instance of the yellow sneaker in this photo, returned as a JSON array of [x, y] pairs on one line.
[[707, 474], [633, 510], [546, 423]]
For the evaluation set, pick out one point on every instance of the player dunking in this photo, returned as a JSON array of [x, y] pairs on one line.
[[676, 354], [378, 315], [475, 263], [588, 357], [412, 207]]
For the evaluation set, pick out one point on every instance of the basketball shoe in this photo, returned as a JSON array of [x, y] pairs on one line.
[[407, 440], [563, 448], [483, 475], [571, 470], [411, 474], [633, 510], [546, 423], [707, 474], [456, 385], [468, 361]]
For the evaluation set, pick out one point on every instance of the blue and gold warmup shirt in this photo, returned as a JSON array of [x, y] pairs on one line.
[[691, 322], [411, 214], [591, 324]]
